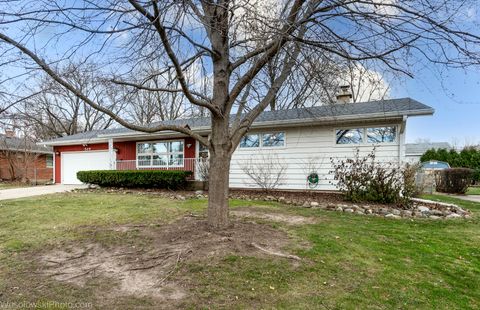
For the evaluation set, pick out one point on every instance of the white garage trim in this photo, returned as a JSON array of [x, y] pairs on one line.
[[84, 160]]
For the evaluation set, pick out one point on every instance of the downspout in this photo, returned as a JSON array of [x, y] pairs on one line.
[[401, 145], [111, 154]]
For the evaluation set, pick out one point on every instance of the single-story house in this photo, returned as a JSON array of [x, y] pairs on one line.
[[301, 141], [23, 159], [413, 151]]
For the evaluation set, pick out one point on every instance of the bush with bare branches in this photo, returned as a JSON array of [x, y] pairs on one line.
[[266, 171]]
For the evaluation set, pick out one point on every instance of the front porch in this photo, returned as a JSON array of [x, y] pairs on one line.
[[158, 153], [197, 166]]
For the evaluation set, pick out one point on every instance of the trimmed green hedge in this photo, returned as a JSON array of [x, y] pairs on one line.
[[171, 179]]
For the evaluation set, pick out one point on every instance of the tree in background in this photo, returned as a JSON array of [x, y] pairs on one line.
[[468, 157], [228, 45]]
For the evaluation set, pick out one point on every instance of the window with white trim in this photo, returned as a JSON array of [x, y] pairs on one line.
[[250, 141], [160, 153], [49, 161], [275, 139], [268, 139], [349, 136], [370, 135], [381, 134]]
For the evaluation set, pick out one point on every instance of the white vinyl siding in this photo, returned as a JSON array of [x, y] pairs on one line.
[[307, 144]]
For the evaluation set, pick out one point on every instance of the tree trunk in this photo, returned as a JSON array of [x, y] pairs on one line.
[[218, 187]]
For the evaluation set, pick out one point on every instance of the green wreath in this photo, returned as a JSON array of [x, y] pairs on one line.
[[313, 179]]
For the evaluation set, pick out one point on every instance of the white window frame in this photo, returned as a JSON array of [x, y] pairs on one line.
[[365, 136], [197, 149], [153, 154], [260, 143], [46, 161]]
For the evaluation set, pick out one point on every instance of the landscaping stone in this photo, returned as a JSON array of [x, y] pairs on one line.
[[331, 206], [436, 212], [383, 211], [393, 216], [453, 216], [407, 213], [423, 209]]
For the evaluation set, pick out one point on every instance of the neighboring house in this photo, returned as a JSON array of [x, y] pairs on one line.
[[303, 140], [23, 160], [413, 151]]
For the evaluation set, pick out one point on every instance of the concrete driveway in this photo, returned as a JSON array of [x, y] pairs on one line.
[[22, 192]]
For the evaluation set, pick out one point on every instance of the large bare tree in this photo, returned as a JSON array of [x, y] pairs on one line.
[[55, 112], [226, 45]]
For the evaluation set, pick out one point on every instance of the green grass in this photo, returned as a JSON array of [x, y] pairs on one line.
[[350, 261], [8, 185], [473, 191]]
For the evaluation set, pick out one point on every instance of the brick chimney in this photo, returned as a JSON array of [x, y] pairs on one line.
[[10, 133], [344, 95]]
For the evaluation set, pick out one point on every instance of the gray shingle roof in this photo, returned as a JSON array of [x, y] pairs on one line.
[[421, 148], [392, 107], [22, 145]]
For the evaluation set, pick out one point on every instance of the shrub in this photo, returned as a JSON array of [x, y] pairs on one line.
[[266, 171], [364, 179], [453, 180], [410, 186], [136, 178]]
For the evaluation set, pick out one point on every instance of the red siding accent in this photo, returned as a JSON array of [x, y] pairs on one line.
[[126, 151], [189, 151]]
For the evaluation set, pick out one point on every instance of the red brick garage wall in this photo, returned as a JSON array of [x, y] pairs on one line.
[[125, 151]]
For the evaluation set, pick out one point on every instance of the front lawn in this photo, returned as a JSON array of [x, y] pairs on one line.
[[7, 185], [473, 191], [347, 261]]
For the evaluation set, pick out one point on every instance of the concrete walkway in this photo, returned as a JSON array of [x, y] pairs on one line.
[[22, 192]]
